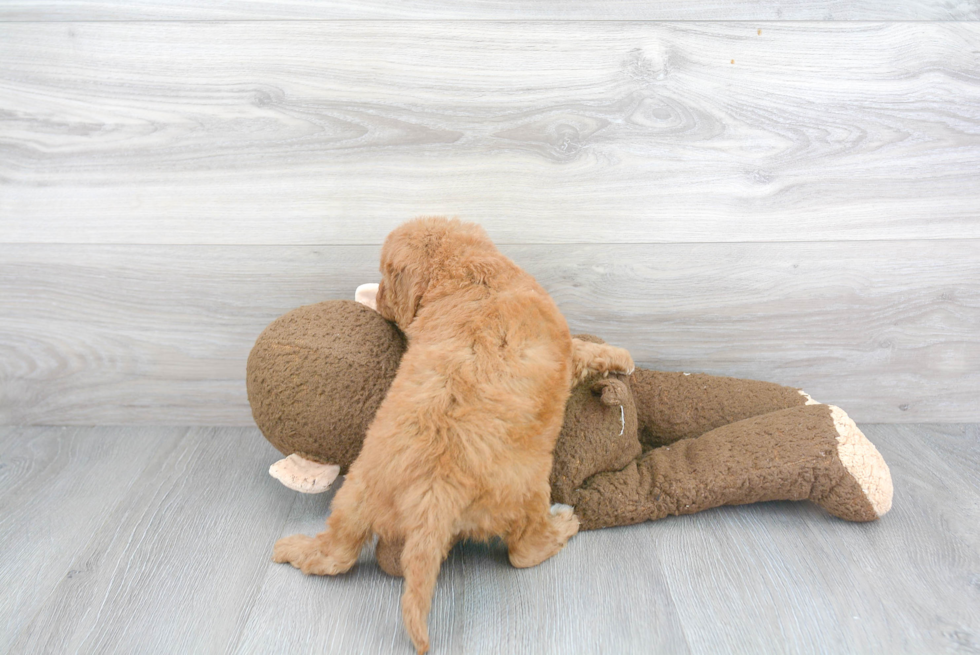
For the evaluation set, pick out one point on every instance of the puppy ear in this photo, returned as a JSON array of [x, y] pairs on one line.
[[614, 391], [405, 299], [414, 298]]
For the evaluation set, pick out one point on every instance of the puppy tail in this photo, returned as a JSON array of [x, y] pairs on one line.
[[589, 358], [421, 559]]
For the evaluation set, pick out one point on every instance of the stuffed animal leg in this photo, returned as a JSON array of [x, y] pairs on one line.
[[672, 406], [809, 452]]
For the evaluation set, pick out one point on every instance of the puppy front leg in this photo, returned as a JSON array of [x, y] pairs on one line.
[[588, 358], [543, 535]]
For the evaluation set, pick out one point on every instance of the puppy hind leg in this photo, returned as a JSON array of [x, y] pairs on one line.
[[335, 550], [349, 525], [542, 536], [329, 553]]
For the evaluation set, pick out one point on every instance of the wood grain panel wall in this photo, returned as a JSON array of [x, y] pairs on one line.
[[333, 132], [791, 201], [160, 334], [820, 10]]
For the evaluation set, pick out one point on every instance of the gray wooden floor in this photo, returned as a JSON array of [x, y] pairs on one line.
[[157, 540]]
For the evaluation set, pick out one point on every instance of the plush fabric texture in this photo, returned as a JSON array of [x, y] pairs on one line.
[[317, 375], [632, 447], [674, 406], [599, 433], [790, 454]]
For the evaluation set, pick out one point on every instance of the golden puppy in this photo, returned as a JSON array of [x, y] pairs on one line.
[[462, 445]]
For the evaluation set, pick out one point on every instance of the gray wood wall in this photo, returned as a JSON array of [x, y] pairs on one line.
[[787, 191]]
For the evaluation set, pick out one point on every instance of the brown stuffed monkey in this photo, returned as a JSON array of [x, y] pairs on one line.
[[633, 447]]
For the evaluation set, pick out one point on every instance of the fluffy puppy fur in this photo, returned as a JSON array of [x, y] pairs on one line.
[[462, 445]]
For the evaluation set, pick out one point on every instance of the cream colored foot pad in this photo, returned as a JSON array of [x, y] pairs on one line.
[[301, 474], [863, 461]]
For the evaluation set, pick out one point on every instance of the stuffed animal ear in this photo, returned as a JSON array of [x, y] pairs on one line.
[[367, 294], [613, 391]]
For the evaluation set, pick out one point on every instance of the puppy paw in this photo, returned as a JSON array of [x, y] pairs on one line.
[[293, 549], [561, 507], [306, 554], [621, 361], [547, 539], [613, 360], [564, 521]]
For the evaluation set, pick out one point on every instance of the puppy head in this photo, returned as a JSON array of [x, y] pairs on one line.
[[420, 254]]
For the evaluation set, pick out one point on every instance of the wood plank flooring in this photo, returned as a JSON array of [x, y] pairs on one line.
[[157, 540]]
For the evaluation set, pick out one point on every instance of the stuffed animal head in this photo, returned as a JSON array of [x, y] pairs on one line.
[[599, 432], [317, 375]]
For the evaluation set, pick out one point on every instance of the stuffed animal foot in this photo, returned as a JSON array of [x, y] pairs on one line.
[[300, 474], [865, 494], [545, 539], [309, 554]]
